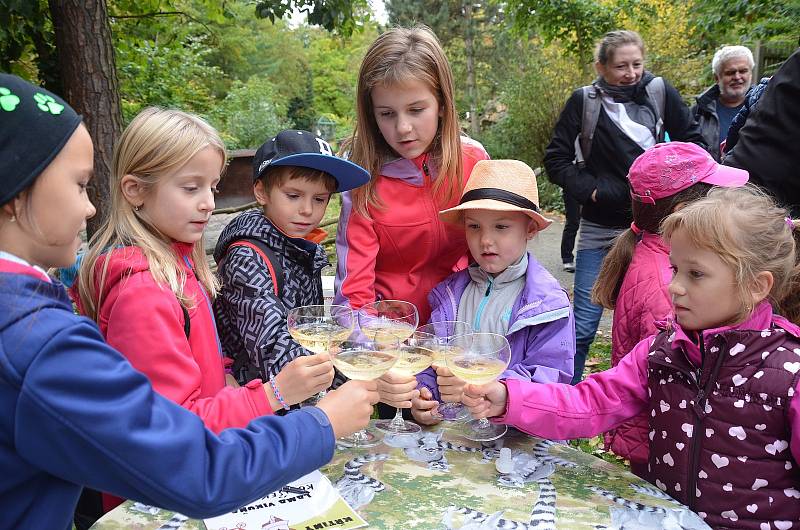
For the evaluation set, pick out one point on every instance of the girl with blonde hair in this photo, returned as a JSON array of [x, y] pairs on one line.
[[146, 280], [719, 382], [390, 242]]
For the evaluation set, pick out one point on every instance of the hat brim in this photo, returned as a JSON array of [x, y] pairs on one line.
[[347, 174], [728, 177], [453, 215]]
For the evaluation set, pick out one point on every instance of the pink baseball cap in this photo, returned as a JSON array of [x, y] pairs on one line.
[[665, 169]]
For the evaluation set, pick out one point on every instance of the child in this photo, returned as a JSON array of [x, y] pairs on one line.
[[635, 275], [294, 175], [75, 413], [145, 272], [506, 291], [390, 242], [719, 383]]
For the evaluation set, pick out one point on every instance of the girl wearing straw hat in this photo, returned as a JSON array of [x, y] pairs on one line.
[[505, 291]]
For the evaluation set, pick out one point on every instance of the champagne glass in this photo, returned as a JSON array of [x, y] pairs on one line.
[[485, 356], [445, 331], [415, 356], [362, 359], [388, 320], [319, 327]]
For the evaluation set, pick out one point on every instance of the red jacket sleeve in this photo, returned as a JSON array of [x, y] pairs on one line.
[[145, 323]]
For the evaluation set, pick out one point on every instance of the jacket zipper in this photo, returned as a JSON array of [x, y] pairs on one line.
[[699, 412], [476, 325]]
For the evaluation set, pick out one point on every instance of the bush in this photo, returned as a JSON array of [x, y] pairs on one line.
[[250, 113], [534, 101]]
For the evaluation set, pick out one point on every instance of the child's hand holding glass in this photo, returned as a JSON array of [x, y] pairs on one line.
[[303, 378], [485, 401]]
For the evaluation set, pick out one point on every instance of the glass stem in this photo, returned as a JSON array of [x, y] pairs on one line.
[[398, 422], [360, 437], [482, 424]]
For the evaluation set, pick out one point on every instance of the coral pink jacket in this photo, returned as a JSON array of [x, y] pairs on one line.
[[403, 251], [145, 322]]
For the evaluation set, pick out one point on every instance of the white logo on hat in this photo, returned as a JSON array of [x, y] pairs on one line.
[[263, 165], [324, 147]]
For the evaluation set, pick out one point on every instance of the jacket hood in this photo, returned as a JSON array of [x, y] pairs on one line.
[[253, 224], [25, 294]]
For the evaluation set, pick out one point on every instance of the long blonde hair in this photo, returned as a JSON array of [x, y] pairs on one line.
[[398, 56], [750, 234], [156, 143]]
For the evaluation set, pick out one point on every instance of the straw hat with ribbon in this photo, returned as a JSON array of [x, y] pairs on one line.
[[500, 185]]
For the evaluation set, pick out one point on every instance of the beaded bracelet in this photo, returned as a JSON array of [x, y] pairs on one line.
[[277, 393]]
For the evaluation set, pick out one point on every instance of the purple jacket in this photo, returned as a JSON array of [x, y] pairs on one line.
[[541, 330]]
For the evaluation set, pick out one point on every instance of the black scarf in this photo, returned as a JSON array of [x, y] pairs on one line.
[[627, 93]]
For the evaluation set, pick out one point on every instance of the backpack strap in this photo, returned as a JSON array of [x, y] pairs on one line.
[[187, 324], [241, 361], [269, 257], [591, 113], [657, 93]]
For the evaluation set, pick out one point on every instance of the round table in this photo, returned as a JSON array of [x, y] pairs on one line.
[[437, 479]]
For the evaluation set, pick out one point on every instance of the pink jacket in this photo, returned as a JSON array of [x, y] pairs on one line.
[[604, 400], [402, 250], [144, 321], [642, 301]]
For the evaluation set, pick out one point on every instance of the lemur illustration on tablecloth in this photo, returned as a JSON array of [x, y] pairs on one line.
[[429, 447], [357, 488]]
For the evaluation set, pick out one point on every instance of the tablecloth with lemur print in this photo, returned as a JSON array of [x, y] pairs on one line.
[[439, 480]]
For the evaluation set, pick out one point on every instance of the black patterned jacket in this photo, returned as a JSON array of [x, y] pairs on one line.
[[250, 318]]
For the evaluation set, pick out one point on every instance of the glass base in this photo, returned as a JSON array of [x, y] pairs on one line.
[[452, 412], [397, 427], [483, 431], [363, 438]]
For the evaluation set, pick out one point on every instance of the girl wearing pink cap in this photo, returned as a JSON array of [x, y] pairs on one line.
[[718, 382], [635, 275]]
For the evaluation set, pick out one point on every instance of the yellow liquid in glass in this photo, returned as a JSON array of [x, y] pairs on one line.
[[441, 351], [387, 332], [318, 337], [476, 370], [413, 360], [364, 365]]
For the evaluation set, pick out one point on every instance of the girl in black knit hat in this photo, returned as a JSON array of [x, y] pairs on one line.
[[73, 412]]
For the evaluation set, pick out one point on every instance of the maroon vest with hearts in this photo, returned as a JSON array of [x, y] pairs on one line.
[[719, 436]]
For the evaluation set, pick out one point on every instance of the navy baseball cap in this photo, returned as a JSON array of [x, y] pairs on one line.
[[304, 149]]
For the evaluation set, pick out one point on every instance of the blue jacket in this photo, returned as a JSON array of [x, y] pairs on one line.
[[74, 412], [541, 331]]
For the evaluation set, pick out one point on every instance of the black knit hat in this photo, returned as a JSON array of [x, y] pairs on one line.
[[34, 126]]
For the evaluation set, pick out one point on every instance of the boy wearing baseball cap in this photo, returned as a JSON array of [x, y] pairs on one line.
[[505, 291], [269, 259]]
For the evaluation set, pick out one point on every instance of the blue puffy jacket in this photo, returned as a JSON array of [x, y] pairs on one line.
[[74, 412]]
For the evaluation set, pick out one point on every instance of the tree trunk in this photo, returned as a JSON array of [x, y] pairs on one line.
[[469, 51], [89, 77]]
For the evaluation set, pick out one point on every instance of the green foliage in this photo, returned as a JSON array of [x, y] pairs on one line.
[[27, 42], [533, 100], [170, 75], [577, 24], [729, 21], [338, 16], [250, 113]]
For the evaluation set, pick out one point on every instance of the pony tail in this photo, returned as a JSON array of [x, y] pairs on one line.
[[612, 272], [789, 305]]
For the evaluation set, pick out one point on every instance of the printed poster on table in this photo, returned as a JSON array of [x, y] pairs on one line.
[[309, 503]]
